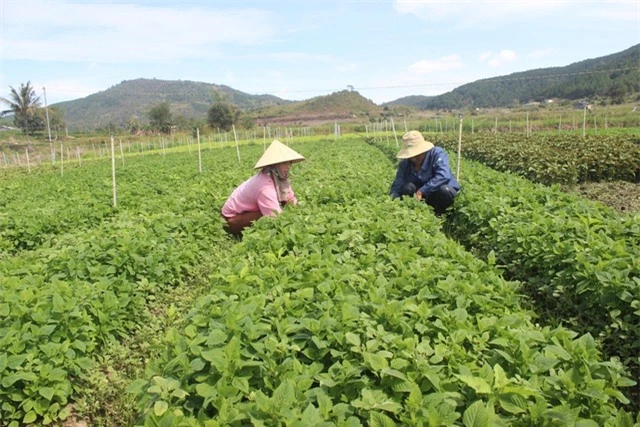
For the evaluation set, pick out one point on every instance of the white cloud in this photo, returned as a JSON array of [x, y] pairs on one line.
[[497, 59], [446, 63], [121, 32]]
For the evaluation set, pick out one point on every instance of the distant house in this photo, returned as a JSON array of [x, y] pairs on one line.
[[532, 104], [582, 105]]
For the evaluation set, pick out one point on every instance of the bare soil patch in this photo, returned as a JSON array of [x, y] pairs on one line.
[[620, 195]]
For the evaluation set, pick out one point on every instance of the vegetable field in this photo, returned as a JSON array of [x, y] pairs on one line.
[[520, 307]]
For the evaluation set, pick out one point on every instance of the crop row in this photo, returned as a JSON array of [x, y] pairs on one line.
[[579, 261], [83, 287], [36, 207], [547, 159], [354, 309]]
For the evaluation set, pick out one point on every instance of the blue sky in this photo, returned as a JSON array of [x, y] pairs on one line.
[[300, 49]]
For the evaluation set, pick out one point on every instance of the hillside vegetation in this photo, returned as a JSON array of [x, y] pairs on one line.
[[134, 98], [616, 77], [343, 104]]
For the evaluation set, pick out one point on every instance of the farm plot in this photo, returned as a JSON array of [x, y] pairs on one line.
[[91, 282], [561, 159], [354, 309]]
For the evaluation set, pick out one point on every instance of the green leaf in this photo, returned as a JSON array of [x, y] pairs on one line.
[[160, 407], [476, 415], [206, 390], [216, 337], [499, 377], [197, 364], [352, 339], [216, 357], [311, 416], [46, 392], [284, 395], [29, 417], [480, 385], [376, 362], [16, 360], [378, 419]]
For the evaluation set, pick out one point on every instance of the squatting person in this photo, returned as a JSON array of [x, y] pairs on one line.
[[424, 173], [264, 194]]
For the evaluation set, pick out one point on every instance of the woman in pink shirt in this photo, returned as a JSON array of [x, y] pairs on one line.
[[265, 193]]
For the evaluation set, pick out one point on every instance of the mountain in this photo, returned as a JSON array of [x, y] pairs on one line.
[[134, 98], [615, 76], [336, 106]]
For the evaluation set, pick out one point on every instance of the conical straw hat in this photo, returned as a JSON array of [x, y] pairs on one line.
[[413, 143], [278, 153]]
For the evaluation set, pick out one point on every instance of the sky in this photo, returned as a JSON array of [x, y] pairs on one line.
[[298, 50]]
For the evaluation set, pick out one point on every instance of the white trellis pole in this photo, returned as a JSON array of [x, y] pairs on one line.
[[394, 132], [26, 150], [121, 152], [61, 160], [459, 149], [236, 138], [78, 155], [113, 173], [199, 151]]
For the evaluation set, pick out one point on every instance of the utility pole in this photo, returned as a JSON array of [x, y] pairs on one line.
[[46, 110]]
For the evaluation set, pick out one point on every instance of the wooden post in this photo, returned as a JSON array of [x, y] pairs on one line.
[[78, 154], [26, 150], [584, 122], [61, 160]]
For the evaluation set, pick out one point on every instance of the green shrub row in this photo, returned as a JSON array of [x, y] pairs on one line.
[[548, 159], [353, 309]]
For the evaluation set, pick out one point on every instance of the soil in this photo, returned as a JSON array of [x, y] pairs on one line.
[[622, 196]]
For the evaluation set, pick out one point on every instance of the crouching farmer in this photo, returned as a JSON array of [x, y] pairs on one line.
[[424, 173]]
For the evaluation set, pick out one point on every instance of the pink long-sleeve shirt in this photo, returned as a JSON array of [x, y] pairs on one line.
[[256, 193]]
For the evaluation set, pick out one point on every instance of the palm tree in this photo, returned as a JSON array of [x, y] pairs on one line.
[[24, 105]]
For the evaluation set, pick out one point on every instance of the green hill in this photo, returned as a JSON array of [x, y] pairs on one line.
[[615, 77], [134, 98], [339, 105]]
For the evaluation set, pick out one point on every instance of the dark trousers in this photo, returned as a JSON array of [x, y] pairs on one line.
[[440, 199]]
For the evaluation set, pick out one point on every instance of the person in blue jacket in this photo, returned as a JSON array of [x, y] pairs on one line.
[[424, 173]]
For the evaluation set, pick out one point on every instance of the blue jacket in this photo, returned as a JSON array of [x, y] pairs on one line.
[[433, 173]]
